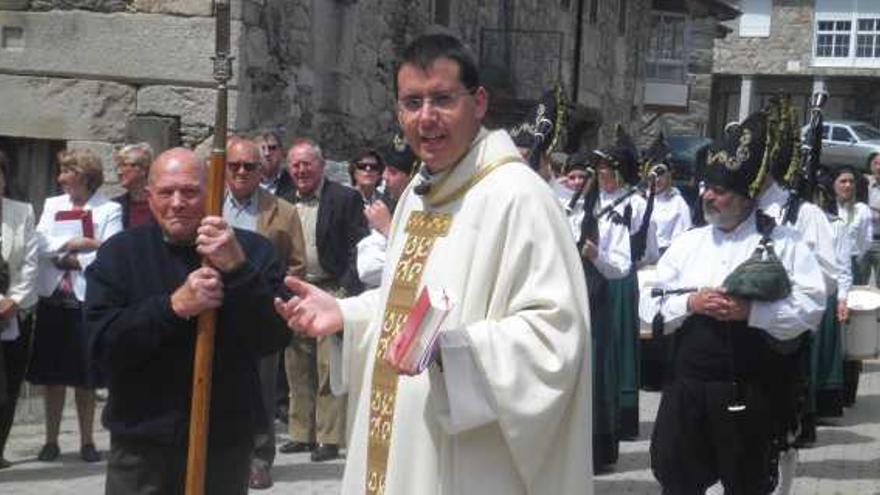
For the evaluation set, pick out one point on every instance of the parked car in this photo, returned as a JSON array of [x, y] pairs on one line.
[[848, 142]]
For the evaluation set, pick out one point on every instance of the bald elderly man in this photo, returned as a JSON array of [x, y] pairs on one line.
[[145, 289]]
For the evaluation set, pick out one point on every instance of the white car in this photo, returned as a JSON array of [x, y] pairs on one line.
[[848, 142]]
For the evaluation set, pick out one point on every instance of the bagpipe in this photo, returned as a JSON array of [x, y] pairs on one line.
[[805, 157], [623, 156]]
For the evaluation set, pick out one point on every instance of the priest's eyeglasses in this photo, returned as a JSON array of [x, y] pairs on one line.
[[442, 101]]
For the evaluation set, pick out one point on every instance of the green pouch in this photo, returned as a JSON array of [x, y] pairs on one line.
[[759, 278]]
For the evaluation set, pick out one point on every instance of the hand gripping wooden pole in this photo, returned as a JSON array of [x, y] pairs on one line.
[[204, 352]]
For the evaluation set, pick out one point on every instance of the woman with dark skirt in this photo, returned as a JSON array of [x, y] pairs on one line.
[[603, 242], [18, 272], [850, 190], [71, 228]]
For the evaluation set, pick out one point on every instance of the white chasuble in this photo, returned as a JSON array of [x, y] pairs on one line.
[[510, 411]]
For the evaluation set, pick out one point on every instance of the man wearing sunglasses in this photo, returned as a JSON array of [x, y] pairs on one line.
[[502, 404], [250, 207]]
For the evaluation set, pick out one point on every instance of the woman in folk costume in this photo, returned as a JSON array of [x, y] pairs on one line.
[[826, 378], [671, 214], [850, 191], [617, 176], [603, 241], [855, 216]]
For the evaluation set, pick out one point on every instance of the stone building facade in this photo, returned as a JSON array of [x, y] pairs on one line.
[[98, 73], [798, 47]]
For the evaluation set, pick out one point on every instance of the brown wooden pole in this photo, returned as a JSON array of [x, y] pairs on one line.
[[204, 352]]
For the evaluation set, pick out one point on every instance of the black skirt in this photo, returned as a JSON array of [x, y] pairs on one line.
[[60, 354]]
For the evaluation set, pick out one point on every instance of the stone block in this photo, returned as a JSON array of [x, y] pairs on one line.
[[176, 7], [194, 106], [135, 47], [92, 5], [14, 4], [48, 108], [256, 49]]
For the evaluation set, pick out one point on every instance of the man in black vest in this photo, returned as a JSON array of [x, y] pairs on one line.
[[734, 386], [333, 223]]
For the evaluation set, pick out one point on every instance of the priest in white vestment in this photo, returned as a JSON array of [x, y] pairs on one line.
[[504, 407]]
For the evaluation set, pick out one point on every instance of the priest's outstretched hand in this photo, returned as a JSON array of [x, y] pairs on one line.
[[311, 310]]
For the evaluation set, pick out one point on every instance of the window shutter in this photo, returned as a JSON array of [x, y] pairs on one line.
[[755, 19]]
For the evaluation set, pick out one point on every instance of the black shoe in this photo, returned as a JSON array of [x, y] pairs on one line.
[[325, 452], [295, 447], [49, 452], [4, 463], [88, 453], [260, 478]]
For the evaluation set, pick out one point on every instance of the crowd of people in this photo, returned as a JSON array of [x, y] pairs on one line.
[[534, 380]]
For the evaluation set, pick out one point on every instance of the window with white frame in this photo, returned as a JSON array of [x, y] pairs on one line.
[[847, 33], [868, 38], [666, 59], [833, 38]]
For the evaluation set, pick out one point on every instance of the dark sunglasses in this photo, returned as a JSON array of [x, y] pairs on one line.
[[247, 166], [368, 167], [271, 147]]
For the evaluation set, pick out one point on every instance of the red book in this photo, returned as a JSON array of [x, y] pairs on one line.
[[84, 217], [413, 347]]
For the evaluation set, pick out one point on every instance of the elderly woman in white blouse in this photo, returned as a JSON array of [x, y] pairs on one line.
[[18, 248], [71, 228]]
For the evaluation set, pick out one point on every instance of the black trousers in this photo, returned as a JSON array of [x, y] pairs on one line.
[[15, 359], [698, 441], [145, 468]]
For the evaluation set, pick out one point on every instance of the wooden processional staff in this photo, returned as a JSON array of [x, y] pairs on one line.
[[204, 353]]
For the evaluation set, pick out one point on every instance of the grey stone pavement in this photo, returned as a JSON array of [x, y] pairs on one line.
[[845, 459]]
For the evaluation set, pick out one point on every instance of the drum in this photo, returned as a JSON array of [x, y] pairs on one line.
[[862, 335], [647, 278]]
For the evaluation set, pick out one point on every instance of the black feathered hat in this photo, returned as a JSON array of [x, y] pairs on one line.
[[542, 130], [399, 155], [621, 156], [741, 160], [657, 155]]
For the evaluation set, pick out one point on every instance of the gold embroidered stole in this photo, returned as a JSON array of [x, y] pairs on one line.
[[422, 230]]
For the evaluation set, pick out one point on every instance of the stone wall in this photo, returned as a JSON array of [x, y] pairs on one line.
[[81, 69], [612, 72], [783, 62], [787, 51], [696, 120]]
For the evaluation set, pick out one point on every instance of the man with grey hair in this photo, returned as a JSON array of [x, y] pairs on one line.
[[737, 319], [145, 289], [249, 207], [333, 223]]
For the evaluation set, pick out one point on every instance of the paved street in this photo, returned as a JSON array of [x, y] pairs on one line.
[[845, 460]]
